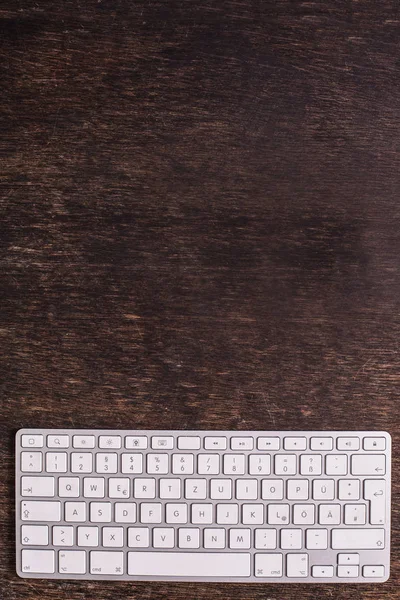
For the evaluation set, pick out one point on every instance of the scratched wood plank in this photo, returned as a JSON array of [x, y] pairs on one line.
[[200, 229]]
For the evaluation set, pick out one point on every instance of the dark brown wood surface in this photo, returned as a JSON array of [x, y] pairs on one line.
[[200, 229]]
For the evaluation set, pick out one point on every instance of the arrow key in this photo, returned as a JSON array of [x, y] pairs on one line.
[[374, 571], [348, 559], [322, 571]]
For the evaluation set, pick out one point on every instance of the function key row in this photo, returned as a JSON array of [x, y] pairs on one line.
[[215, 443]]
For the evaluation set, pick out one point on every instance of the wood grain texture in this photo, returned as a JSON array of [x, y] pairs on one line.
[[200, 229]]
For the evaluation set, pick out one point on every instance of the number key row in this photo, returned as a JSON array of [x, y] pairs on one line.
[[207, 464]]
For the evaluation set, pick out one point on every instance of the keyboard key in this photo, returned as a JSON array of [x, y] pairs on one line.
[[297, 489], [132, 463], [268, 565], [136, 442], [221, 489], [163, 537], [285, 464], [272, 489], [348, 559], [311, 464], [215, 443], [354, 514], [81, 463], [63, 535], [83, 441], [144, 488], [162, 443], [72, 562], [157, 463], [323, 489], [375, 492], [374, 443], [110, 441], [208, 464], [196, 489], [37, 486], [31, 462], [278, 514], [227, 514], [268, 443], [100, 512], [246, 489], [295, 443], [374, 571], [348, 443], [93, 487], [297, 565], [234, 464], [119, 487], [336, 464], [304, 514], [189, 443], [347, 571], [150, 512], [189, 537], [265, 539], [56, 462], [214, 538], [58, 441], [253, 514], [358, 539], [88, 536], [32, 441], [125, 512], [240, 539], [176, 513], [368, 464], [138, 537], [68, 487], [189, 564], [329, 514], [182, 464], [317, 539], [106, 463], [34, 535], [170, 488], [322, 571], [33, 510], [291, 539], [321, 443], [349, 489], [259, 464], [106, 563], [202, 514], [113, 537], [242, 443], [38, 561], [75, 512]]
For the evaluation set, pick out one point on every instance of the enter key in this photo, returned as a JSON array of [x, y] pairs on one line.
[[375, 492]]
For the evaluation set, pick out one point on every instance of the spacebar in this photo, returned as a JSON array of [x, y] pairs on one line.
[[189, 564]]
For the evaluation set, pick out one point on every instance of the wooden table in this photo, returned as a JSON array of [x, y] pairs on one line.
[[200, 229]]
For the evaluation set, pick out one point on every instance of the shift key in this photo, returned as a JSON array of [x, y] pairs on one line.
[[358, 539]]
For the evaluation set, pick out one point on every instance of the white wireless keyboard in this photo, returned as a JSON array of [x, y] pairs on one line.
[[254, 506]]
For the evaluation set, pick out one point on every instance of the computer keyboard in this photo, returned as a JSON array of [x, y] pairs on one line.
[[232, 506]]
